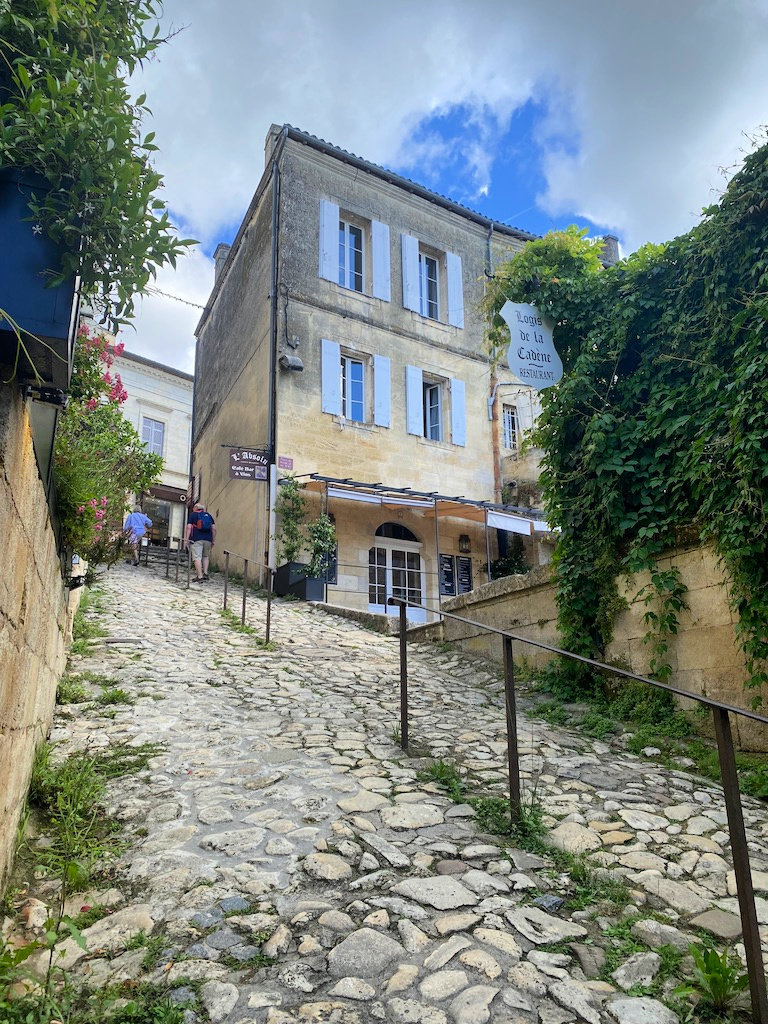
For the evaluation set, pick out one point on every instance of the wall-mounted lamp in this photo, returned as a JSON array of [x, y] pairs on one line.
[[465, 544], [290, 362], [51, 396]]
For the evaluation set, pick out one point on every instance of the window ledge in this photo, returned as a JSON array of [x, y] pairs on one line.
[[345, 424], [448, 445], [437, 324]]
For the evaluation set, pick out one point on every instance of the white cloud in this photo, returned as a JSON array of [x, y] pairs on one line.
[[652, 99], [163, 328]]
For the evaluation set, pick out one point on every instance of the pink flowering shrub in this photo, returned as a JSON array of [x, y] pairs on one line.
[[98, 456]]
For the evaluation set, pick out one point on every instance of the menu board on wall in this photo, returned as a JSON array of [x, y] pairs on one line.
[[464, 573], [447, 576]]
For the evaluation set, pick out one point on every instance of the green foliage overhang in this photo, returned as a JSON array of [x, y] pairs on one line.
[[66, 115], [658, 432]]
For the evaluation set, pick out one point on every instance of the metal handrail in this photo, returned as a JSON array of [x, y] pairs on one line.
[[727, 760], [246, 562]]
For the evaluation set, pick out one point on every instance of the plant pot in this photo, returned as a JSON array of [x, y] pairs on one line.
[[291, 578], [46, 316]]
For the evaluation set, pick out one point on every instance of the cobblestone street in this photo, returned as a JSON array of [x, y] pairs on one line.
[[282, 820]]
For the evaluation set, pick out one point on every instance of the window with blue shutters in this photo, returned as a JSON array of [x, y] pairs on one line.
[[354, 251], [355, 385], [433, 402], [432, 282], [153, 435]]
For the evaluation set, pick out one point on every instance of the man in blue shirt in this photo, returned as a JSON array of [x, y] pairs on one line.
[[201, 536], [136, 525]]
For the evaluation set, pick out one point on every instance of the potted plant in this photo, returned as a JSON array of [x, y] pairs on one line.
[[78, 193], [305, 580]]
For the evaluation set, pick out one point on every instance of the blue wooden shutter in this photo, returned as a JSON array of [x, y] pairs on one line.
[[458, 412], [380, 259], [455, 290], [331, 377], [329, 241], [414, 401], [381, 391], [411, 273], [524, 413]]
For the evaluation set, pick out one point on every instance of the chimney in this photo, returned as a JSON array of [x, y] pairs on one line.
[[610, 253], [269, 143], [220, 258]]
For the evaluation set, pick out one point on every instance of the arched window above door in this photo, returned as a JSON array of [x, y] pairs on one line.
[[395, 531]]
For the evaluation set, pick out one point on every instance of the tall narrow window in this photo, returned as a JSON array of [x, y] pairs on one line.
[[429, 298], [509, 425], [153, 435], [433, 411], [353, 389], [350, 256]]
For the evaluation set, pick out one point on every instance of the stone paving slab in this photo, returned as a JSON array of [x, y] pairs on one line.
[[281, 820]]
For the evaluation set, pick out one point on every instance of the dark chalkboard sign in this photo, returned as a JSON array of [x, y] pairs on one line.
[[447, 576], [464, 573]]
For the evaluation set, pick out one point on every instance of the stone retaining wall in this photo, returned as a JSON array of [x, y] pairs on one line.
[[34, 619], [704, 655]]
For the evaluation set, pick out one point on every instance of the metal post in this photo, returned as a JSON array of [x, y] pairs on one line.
[[437, 560], [740, 853], [189, 567], [270, 585], [245, 589], [178, 562], [271, 554], [487, 547], [512, 754], [168, 557], [226, 577], [327, 565], [403, 677]]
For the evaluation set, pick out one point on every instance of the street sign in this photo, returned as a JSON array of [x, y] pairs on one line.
[[284, 462], [532, 355], [247, 464]]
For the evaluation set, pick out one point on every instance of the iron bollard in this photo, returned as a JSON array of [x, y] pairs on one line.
[[741, 868], [245, 589], [168, 557], [226, 577], [512, 752], [403, 677]]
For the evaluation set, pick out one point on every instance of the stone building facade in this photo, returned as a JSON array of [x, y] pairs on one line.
[[344, 329], [159, 406]]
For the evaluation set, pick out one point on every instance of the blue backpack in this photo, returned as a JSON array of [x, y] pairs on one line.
[[204, 521]]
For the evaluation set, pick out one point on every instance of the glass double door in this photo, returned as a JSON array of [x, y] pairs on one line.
[[396, 571]]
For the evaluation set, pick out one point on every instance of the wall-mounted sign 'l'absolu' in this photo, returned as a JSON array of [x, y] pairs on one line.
[[247, 464], [532, 355]]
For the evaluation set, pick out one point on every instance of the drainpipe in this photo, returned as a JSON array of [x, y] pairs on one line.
[[496, 443], [273, 290], [494, 385]]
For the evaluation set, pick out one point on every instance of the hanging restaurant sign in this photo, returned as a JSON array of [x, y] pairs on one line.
[[247, 464], [532, 355]]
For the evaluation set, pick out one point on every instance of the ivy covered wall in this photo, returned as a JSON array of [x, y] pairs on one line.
[[658, 433]]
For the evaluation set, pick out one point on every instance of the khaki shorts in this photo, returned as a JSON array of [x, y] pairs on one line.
[[200, 549]]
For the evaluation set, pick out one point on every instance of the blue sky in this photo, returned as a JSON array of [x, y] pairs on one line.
[[614, 116], [505, 188]]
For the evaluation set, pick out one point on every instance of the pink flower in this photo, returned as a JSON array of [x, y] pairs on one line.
[[104, 500], [81, 509], [98, 527], [92, 404], [106, 378], [119, 348]]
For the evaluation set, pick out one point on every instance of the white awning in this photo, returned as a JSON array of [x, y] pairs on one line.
[[371, 499], [512, 524]]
